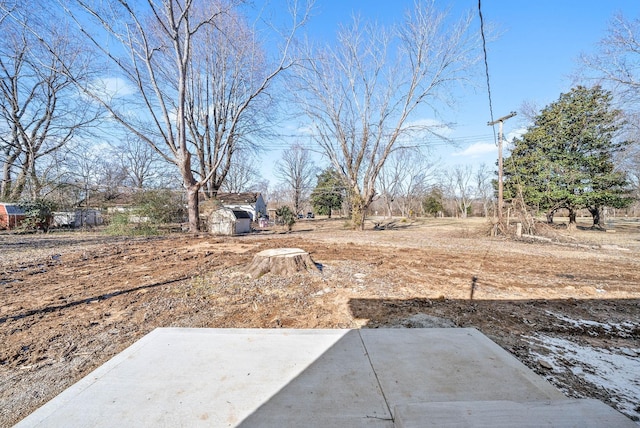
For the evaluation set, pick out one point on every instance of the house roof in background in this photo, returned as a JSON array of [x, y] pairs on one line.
[[12, 209], [238, 198]]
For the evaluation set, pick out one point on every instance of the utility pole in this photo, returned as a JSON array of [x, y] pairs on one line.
[[500, 198]]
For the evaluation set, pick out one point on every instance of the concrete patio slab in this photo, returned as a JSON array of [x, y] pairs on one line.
[[435, 364], [289, 378], [211, 377], [507, 414]]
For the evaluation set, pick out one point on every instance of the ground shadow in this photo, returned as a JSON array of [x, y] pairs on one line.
[[53, 308], [391, 225], [528, 314]]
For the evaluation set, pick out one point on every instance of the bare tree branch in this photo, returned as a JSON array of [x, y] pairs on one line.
[[360, 95], [166, 50], [39, 103], [297, 172]]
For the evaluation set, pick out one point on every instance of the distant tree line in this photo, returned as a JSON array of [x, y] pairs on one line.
[[104, 99]]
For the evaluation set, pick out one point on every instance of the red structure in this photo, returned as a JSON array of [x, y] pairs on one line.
[[11, 216]]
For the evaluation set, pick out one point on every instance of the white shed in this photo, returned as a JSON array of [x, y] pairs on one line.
[[78, 218], [243, 221], [251, 202], [225, 221]]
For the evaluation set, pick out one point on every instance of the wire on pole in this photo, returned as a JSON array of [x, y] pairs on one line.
[[486, 65]]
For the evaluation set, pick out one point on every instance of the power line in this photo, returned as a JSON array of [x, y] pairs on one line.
[[486, 65], [279, 144]]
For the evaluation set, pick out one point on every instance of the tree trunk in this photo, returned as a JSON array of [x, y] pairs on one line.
[[7, 168], [572, 219], [389, 203], [362, 217], [550, 216], [357, 212], [596, 213], [296, 202], [18, 186], [193, 208], [463, 209], [36, 187], [281, 261], [5, 187]]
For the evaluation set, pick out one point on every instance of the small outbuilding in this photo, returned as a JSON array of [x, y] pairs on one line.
[[251, 202], [78, 218], [11, 215], [225, 221]]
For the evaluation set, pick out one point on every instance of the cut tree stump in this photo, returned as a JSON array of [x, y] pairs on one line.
[[281, 261]]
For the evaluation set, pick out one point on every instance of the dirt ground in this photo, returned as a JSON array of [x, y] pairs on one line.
[[70, 301]]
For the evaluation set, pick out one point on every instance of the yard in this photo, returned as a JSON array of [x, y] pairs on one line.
[[569, 309]]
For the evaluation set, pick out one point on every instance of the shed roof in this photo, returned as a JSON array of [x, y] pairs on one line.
[[13, 209], [241, 214]]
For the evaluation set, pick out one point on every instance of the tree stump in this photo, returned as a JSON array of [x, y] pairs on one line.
[[281, 261]]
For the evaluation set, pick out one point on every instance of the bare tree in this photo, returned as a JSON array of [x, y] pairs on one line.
[[280, 195], [241, 175], [628, 160], [404, 180], [6, 7], [484, 187], [139, 162], [40, 107], [84, 172], [297, 171], [160, 44], [360, 96], [617, 63], [389, 183], [418, 172], [528, 112], [460, 187], [228, 98], [618, 59]]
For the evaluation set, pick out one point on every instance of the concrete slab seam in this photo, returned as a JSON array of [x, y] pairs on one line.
[[384, 397]]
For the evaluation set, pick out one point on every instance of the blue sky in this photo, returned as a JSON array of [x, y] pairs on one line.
[[532, 58]]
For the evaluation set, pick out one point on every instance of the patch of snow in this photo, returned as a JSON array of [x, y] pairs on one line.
[[621, 328], [615, 370]]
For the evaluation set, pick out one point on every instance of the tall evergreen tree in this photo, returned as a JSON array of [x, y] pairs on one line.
[[433, 202], [329, 192], [565, 159]]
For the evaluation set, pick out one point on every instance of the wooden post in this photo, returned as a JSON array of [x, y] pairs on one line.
[[500, 186]]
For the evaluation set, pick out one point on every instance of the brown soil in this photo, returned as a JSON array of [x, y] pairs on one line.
[[71, 301]]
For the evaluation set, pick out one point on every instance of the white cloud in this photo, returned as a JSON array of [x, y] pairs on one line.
[[118, 86], [476, 150], [111, 87], [516, 133], [480, 149], [306, 130], [508, 139]]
